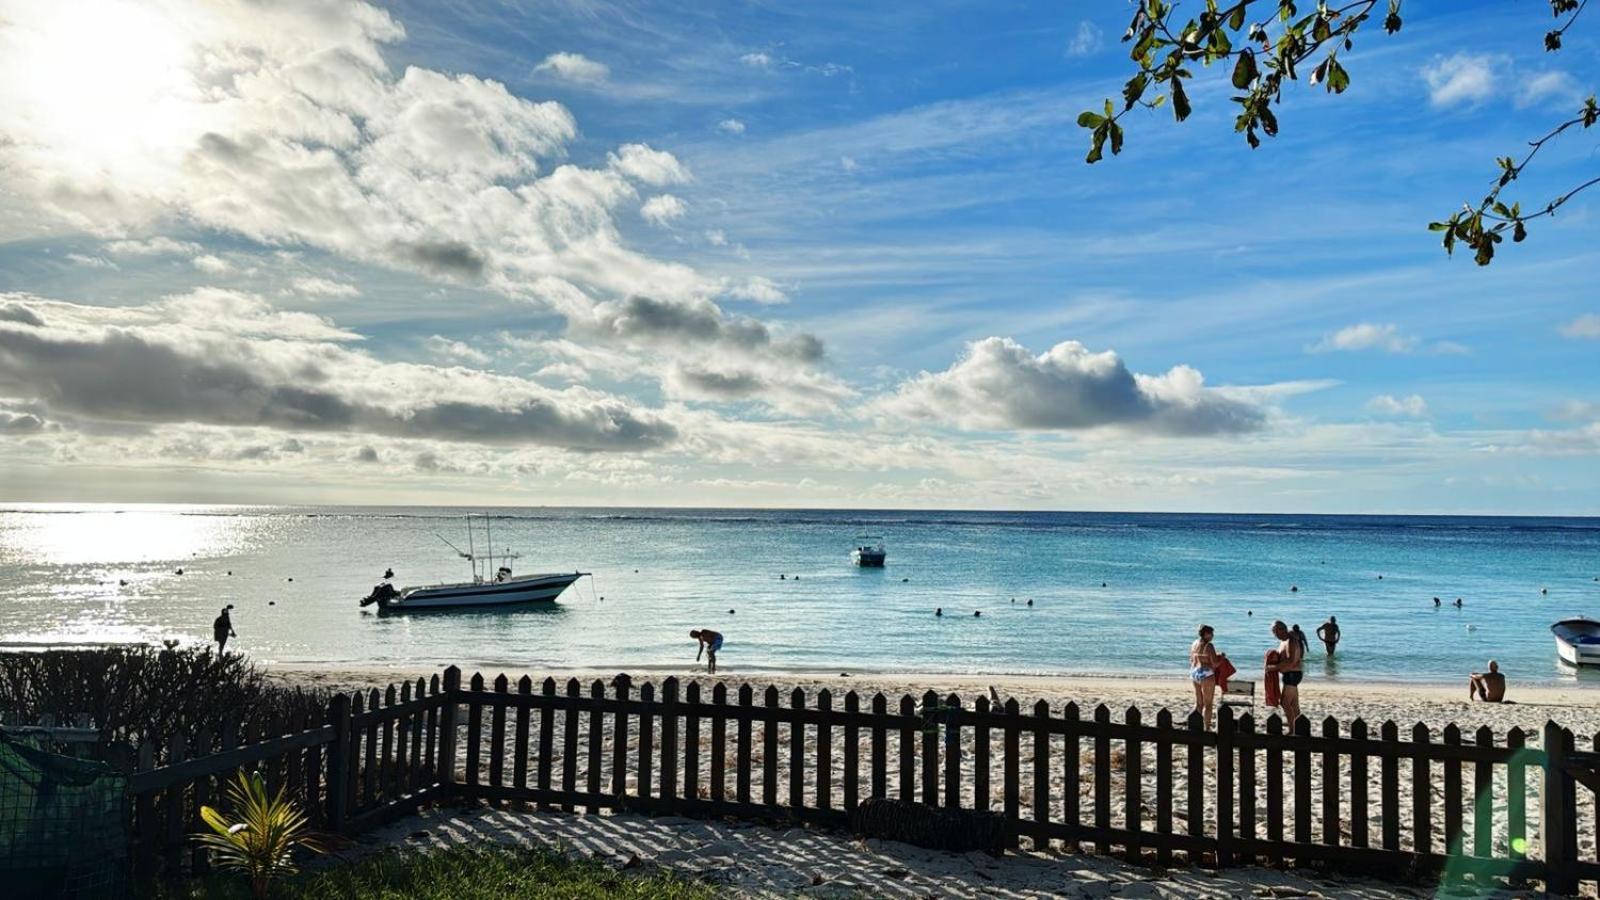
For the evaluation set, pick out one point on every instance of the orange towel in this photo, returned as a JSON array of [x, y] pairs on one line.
[[1224, 671], [1272, 678]]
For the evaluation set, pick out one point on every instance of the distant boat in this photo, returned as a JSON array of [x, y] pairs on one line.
[[869, 552], [503, 589], [1578, 641]]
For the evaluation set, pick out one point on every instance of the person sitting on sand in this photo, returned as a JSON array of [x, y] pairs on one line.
[[1490, 686], [710, 643], [1290, 655], [1329, 633], [222, 629], [1203, 662]]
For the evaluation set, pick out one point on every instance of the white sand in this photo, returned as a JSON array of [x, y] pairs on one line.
[[755, 861]]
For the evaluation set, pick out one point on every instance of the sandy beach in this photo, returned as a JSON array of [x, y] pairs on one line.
[[1434, 705]]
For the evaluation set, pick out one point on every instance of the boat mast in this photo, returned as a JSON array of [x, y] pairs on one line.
[[488, 537], [472, 551]]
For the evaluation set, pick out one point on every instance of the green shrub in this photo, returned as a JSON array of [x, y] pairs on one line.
[[138, 693]]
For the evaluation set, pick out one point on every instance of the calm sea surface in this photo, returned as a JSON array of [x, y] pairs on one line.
[[1113, 593]]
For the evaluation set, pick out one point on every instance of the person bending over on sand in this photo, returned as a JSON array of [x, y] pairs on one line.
[[710, 643], [1203, 660], [222, 629], [1290, 655], [1329, 633], [1489, 686]]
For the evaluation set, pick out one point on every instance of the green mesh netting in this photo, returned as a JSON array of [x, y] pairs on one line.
[[63, 825]]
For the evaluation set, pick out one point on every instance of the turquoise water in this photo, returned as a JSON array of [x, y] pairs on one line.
[[663, 572]]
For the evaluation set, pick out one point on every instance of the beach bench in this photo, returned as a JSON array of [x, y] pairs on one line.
[[1239, 693]]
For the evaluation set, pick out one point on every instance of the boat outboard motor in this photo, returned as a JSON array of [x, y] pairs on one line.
[[380, 595]]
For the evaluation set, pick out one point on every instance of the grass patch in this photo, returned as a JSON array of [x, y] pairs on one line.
[[459, 873]]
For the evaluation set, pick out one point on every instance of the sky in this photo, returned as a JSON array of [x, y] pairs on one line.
[[760, 254]]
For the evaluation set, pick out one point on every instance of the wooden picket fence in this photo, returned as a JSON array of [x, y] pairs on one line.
[[1474, 806]]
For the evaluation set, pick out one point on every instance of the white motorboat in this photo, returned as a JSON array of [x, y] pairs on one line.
[[869, 552], [503, 589], [1578, 641]]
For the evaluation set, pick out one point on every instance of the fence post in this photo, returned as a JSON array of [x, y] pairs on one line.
[[1225, 787], [447, 729], [1561, 879], [339, 762]]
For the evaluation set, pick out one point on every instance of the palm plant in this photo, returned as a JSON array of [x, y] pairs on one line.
[[261, 841]]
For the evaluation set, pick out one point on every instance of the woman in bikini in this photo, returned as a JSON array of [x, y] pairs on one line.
[[1203, 659]]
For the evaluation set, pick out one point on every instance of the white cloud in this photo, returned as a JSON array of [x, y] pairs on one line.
[[1390, 405], [1086, 40], [848, 164], [642, 163], [757, 60], [90, 262], [1552, 85], [211, 265], [574, 67], [1586, 326], [1366, 336], [999, 385], [757, 289], [223, 358], [455, 351], [156, 246], [1462, 78], [662, 209], [716, 237], [284, 124], [316, 286], [731, 126], [1386, 337]]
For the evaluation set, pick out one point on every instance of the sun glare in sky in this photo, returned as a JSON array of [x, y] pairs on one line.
[[102, 86]]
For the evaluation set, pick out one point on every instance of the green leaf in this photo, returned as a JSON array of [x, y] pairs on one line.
[[1090, 120], [1134, 89], [1180, 101], [1338, 78], [1244, 71], [1236, 19], [1098, 143], [1116, 138], [1519, 232]]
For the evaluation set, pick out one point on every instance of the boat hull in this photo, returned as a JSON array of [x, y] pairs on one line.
[[532, 589], [1578, 642], [867, 559]]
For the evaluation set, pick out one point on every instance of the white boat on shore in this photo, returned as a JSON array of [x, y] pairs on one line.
[[1578, 641], [503, 589], [869, 552]]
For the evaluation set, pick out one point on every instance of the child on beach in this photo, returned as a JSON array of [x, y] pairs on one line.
[[710, 642]]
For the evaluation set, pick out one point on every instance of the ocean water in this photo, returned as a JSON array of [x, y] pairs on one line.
[[1113, 593]]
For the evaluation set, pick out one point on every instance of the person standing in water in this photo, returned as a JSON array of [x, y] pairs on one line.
[[222, 629], [1329, 633], [1291, 653], [710, 642]]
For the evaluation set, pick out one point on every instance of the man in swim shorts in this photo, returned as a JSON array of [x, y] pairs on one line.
[[1290, 656], [1329, 632], [1489, 686], [710, 643]]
